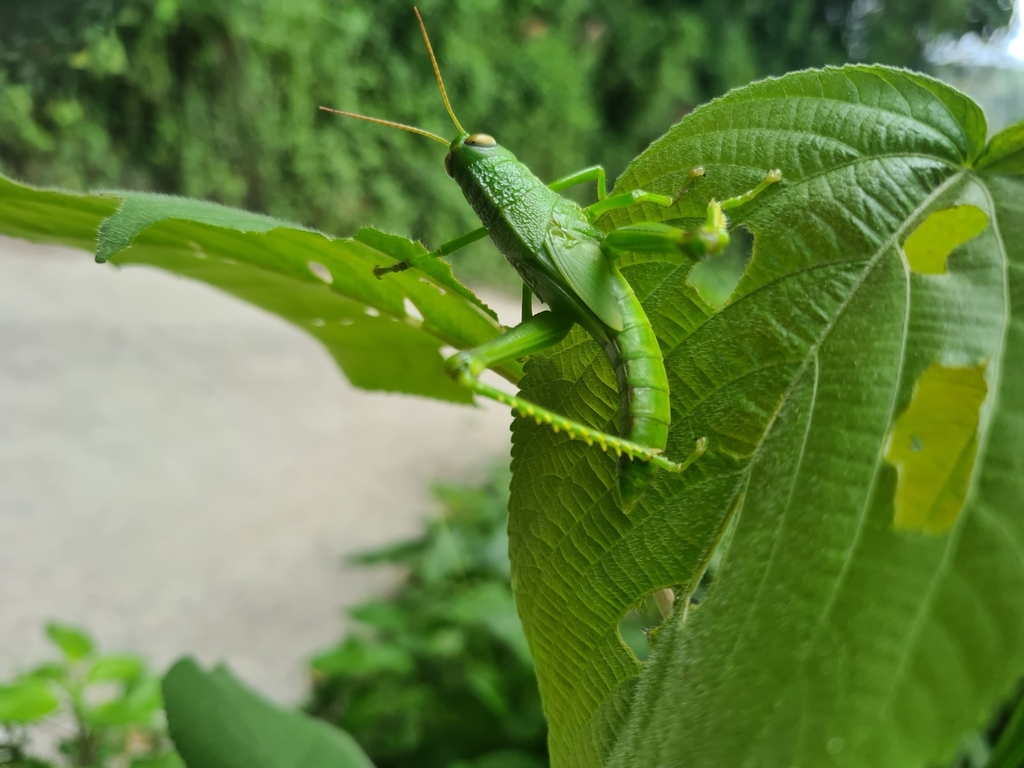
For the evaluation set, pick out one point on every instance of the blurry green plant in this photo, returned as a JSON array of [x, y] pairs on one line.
[[439, 675], [111, 701], [217, 99]]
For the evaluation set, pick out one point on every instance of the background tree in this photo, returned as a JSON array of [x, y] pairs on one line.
[[217, 98]]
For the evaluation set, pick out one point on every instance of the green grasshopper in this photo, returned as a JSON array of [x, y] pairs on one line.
[[570, 265]]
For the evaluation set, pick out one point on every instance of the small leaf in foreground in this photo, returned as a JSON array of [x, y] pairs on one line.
[[384, 334], [216, 722], [74, 642], [26, 702]]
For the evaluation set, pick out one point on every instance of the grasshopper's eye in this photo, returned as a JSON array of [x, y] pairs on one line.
[[448, 165], [481, 140]]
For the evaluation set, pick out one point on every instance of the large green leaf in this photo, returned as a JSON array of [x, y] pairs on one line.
[[865, 414], [216, 722], [384, 334]]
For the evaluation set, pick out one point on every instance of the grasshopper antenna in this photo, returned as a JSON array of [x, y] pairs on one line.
[[437, 73], [390, 123]]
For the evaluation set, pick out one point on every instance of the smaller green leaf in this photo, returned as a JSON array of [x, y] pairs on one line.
[[26, 702], [123, 667], [933, 446], [216, 722], [384, 334], [935, 238], [74, 642], [1004, 154]]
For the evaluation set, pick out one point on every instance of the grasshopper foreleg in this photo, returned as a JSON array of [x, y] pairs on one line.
[[540, 332], [445, 249], [527, 302], [594, 173], [706, 240], [637, 196]]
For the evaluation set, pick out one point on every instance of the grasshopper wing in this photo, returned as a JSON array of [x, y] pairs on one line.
[[577, 254]]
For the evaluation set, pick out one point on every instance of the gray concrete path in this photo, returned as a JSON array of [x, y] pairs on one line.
[[183, 473]]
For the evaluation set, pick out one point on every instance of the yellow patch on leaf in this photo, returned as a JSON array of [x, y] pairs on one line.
[[930, 244], [933, 446]]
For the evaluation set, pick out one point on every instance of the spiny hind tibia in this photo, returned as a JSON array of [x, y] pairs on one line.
[[571, 266]]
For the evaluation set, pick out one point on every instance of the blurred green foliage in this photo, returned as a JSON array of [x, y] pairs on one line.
[[112, 701], [439, 675], [218, 98]]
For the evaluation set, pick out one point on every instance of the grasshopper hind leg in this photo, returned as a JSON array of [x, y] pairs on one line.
[[533, 335]]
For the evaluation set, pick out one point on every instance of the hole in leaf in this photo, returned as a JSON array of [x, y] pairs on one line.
[[930, 244], [321, 271], [317, 322], [372, 311], [412, 310], [447, 351], [346, 321], [431, 283], [638, 626], [933, 445], [835, 745], [715, 279], [197, 250]]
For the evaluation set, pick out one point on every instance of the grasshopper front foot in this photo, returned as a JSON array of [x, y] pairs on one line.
[[695, 173], [380, 271]]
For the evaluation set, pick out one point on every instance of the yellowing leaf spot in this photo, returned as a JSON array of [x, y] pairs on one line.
[[933, 445], [935, 238]]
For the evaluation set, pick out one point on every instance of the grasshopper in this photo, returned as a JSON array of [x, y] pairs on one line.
[[571, 266]]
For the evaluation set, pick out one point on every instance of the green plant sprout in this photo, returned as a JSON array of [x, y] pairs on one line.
[[570, 265], [112, 699]]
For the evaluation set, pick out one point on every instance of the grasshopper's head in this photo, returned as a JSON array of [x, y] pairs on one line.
[[466, 150]]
